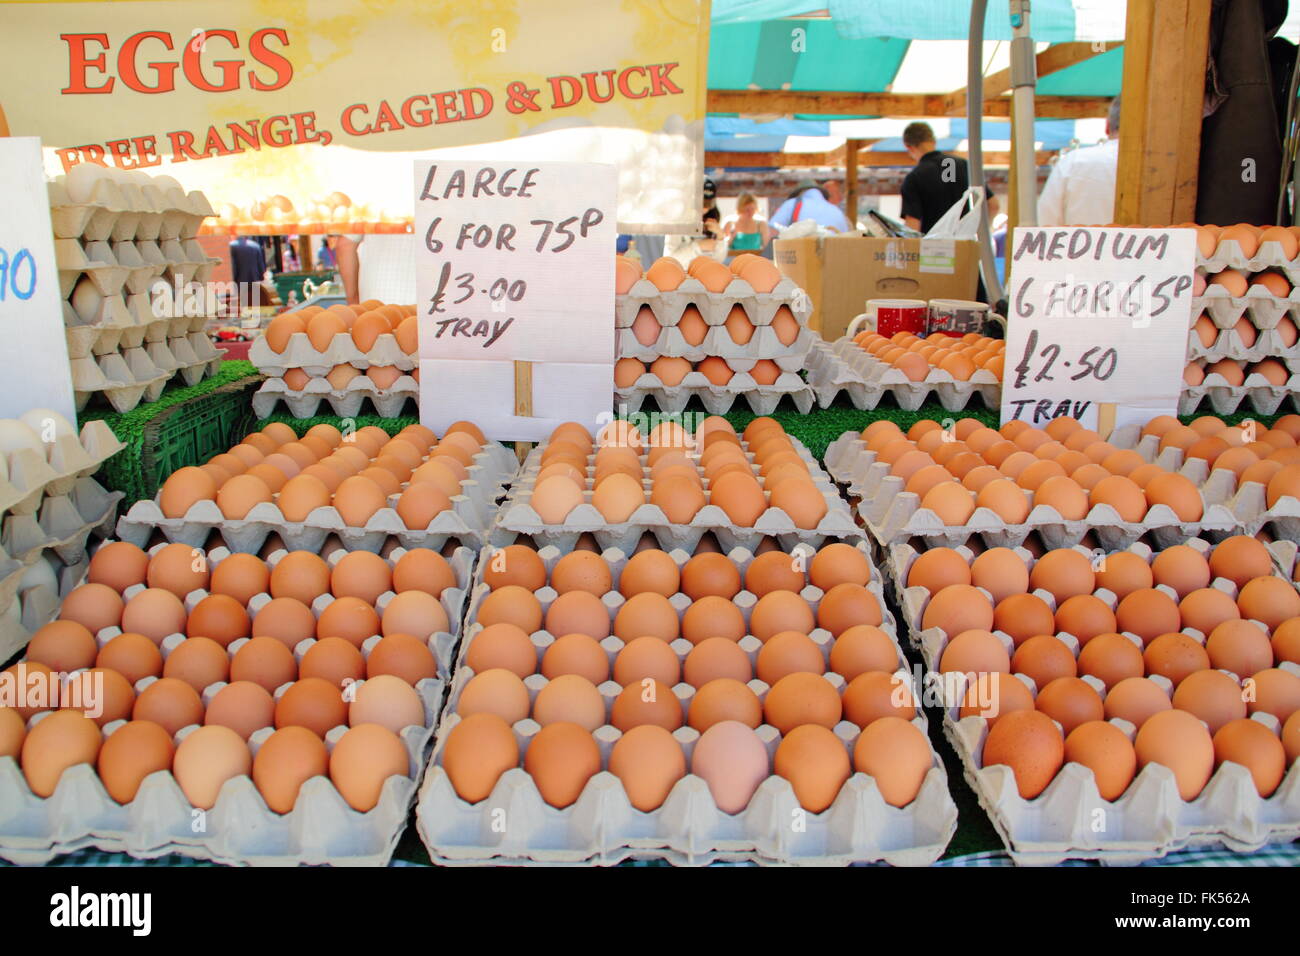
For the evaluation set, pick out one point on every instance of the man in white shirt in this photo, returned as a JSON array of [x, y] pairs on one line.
[[378, 266], [1081, 188], [809, 201]]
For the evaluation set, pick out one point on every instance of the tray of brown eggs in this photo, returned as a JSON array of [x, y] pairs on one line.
[[1062, 483], [716, 382], [674, 485], [869, 366], [225, 707], [712, 288], [690, 708], [366, 488], [1116, 705]]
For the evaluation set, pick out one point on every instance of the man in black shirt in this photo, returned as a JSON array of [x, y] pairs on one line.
[[935, 183]]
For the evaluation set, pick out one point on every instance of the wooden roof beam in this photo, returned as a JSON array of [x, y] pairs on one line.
[[1052, 60], [834, 103]]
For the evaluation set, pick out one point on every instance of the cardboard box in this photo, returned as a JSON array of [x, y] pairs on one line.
[[841, 273]]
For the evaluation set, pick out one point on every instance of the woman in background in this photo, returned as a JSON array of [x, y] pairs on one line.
[[745, 233]]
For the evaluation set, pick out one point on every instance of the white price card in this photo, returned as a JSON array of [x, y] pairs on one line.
[[515, 263], [1096, 316], [37, 374]]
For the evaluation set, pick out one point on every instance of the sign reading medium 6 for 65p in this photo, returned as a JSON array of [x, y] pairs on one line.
[[515, 264], [1097, 316]]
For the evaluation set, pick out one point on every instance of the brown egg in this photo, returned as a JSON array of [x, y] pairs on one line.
[[102, 695], [710, 574], [1255, 747], [714, 659], [1111, 658], [286, 760], [650, 571], [314, 703], [496, 691], [1064, 573], [1181, 568], [958, 608], [517, 565], [1240, 559], [1022, 616], [514, 605], [183, 488], [178, 568], [816, 764], [575, 654], [1212, 696], [561, 758], [712, 616], [1175, 656], [802, 698], [94, 606], [349, 618], [974, 652], [1241, 647], [897, 755], [774, 571], [646, 702], [119, 565], [937, 568], [1070, 701], [285, 619], [861, 649], [779, 611], [478, 750], [1135, 699], [1123, 573], [134, 656], [649, 761], [62, 740], [722, 699], [1207, 608], [199, 662], [155, 613], [502, 645], [1001, 572], [402, 655], [334, 660], [1269, 600], [1044, 658], [1107, 752], [1179, 741], [1148, 613], [415, 612], [1030, 744], [644, 614], [1277, 692], [649, 657], [1286, 641], [130, 754], [1005, 499], [170, 702]]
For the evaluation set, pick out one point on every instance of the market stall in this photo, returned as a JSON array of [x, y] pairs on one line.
[[558, 557]]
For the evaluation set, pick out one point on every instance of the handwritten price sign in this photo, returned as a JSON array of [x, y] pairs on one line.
[[38, 374], [515, 263], [1097, 316]]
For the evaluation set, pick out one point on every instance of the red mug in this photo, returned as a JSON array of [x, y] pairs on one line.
[[899, 315]]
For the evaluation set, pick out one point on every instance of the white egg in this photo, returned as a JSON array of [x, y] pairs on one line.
[[86, 298], [47, 424]]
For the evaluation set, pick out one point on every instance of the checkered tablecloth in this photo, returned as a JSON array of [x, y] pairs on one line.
[[1287, 854]]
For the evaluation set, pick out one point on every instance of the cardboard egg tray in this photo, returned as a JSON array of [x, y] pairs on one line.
[[714, 307], [240, 828], [27, 605], [717, 399], [342, 350], [718, 342], [466, 521], [29, 475], [1260, 307], [345, 403], [892, 514], [126, 212], [1228, 344], [63, 523], [1256, 393], [517, 518], [843, 366], [1153, 820], [1228, 255], [603, 828]]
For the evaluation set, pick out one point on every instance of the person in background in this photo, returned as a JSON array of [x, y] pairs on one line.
[[1081, 188], [935, 183], [325, 254], [809, 201], [377, 266], [247, 268], [746, 233]]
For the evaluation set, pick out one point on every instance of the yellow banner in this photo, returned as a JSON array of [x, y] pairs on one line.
[[306, 115]]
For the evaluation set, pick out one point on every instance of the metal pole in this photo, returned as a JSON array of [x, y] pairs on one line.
[[1024, 79], [975, 162]]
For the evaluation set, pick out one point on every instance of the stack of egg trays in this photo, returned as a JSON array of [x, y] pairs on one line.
[[345, 402], [517, 517], [49, 503], [844, 366], [240, 828], [300, 353], [760, 307], [1150, 819], [119, 245], [466, 521], [892, 514], [603, 828]]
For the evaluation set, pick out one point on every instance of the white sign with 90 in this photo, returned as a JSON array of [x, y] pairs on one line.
[[1097, 316], [30, 316]]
